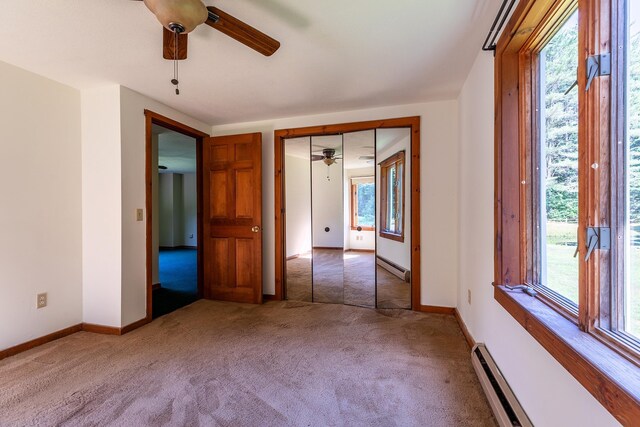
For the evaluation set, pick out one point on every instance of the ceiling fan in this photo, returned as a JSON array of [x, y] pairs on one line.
[[180, 17], [328, 156]]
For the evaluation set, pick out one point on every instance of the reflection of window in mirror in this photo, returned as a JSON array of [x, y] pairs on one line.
[[363, 202], [392, 197]]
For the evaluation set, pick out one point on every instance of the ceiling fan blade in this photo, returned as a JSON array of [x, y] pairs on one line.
[[244, 33], [316, 157], [168, 44]]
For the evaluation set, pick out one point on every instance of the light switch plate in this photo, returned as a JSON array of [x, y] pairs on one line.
[[139, 214]]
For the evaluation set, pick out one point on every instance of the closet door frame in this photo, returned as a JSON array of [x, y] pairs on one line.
[[280, 135]]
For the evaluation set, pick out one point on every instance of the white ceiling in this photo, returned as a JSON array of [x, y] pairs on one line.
[[356, 144], [175, 151], [336, 55]]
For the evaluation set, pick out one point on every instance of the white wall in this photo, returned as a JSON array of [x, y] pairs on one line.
[[549, 394], [113, 158], [41, 211], [397, 252], [326, 205], [177, 210], [439, 155], [189, 210], [167, 208], [101, 206], [298, 209]]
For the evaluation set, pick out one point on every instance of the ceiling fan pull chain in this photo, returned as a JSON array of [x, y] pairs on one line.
[[175, 80]]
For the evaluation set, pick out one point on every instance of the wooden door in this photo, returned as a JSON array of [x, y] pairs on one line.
[[232, 210]]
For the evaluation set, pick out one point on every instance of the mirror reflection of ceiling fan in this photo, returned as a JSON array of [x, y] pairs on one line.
[[180, 17], [328, 156]]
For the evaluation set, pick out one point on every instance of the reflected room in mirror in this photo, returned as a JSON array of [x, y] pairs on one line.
[[327, 218], [393, 219], [359, 217], [298, 220]]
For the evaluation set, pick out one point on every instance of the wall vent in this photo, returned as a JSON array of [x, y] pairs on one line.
[[505, 406]]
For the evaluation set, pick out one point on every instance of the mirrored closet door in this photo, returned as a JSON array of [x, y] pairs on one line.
[[348, 218], [393, 218], [298, 247], [360, 204], [327, 220]]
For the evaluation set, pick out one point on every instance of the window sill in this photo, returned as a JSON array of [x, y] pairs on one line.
[[613, 380], [392, 236]]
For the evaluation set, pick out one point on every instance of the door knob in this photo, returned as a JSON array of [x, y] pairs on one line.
[[255, 229]]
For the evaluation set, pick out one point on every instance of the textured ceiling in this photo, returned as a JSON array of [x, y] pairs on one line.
[[336, 55]]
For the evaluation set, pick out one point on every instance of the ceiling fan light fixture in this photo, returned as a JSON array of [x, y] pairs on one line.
[[176, 15]]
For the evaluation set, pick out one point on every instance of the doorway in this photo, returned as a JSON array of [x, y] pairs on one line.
[[347, 214], [174, 214]]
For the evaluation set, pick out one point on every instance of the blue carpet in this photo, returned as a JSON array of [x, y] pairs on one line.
[[178, 271]]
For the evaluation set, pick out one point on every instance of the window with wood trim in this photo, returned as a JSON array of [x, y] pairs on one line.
[[568, 186], [553, 164], [363, 203], [392, 197], [623, 320]]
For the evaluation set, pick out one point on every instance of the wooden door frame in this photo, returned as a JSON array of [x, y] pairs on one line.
[[152, 118], [281, 135]]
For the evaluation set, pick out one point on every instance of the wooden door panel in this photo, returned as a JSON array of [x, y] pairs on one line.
[[218, 196], [219, 153], [243, 152], [233, 218], [244, 193], [220, 261], [244, 263]]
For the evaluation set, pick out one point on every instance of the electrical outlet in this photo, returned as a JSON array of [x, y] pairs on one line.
[[139, 214], [469, 296], [42, 300]]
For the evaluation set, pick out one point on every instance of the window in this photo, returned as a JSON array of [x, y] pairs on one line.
[[626, 319], [363, 202], [392, 197], [567, 206], [555, 198]]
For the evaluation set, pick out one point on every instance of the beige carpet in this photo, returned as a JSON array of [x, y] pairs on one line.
[[278, 364]]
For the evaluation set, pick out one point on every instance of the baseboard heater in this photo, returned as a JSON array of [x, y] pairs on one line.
[[394, 269], [504, 403]]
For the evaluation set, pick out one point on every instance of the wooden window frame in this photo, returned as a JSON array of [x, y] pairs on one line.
[[530, 145], [578, 341], [354, 202], [394, 160]]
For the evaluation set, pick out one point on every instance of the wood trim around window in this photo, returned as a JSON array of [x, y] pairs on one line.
[[605, 371], [396, 159], [413, 123], [354, 201]]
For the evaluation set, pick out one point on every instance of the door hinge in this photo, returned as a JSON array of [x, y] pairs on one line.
[[598, 65], [597, 238]]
